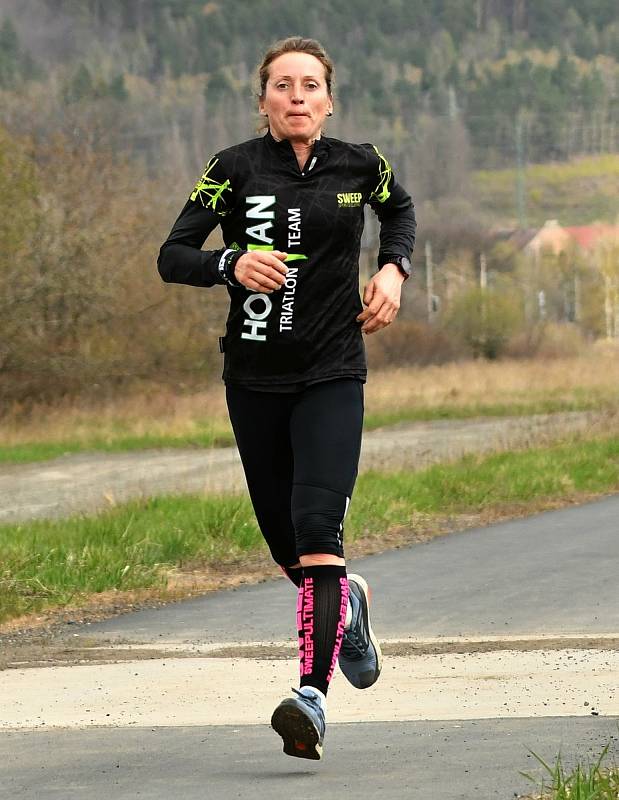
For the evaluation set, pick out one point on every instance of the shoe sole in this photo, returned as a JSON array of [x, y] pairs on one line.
[[301, 739], [379, 655]]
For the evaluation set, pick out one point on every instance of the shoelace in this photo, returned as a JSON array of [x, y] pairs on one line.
[[354, 647], [355, 644]]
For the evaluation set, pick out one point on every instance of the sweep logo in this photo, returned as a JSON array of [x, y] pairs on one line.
[[349, 199]]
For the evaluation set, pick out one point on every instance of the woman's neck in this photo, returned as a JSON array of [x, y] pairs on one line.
[[302, 150]]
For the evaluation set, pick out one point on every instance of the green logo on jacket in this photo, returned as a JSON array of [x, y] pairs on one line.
[[210, 192]]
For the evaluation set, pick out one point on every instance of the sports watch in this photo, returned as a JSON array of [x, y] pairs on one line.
[[401, 262]]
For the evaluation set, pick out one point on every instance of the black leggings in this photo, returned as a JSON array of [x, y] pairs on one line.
[[300, 453]]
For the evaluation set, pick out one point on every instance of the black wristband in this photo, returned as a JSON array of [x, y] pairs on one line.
[[226, 266]]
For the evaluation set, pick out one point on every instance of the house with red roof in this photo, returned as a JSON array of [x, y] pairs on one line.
[[555, 238], [588, 237]]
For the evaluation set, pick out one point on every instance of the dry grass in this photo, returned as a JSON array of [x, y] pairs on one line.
[[153, 412], [586, 381], [463, 385]]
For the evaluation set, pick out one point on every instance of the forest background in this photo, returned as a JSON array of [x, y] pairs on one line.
[[497, 116]]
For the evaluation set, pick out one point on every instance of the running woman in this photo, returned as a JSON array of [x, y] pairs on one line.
[[290, 206]]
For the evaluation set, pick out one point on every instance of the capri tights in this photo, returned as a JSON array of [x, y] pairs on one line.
[[300, 453]]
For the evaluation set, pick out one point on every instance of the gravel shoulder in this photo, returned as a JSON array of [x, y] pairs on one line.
[[86, 483]]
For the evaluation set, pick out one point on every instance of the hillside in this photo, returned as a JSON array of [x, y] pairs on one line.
[[577, 192], [505, 78]]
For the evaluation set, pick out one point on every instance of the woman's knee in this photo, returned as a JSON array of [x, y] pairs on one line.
[[318, 516]]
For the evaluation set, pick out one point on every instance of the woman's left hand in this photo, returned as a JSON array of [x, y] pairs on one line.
[[382, 298]]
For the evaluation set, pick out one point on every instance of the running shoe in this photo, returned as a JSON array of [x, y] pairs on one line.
[[360, 658], [300, 721]]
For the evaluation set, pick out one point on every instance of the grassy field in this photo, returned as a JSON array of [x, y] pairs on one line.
[[555, 191], [159, 417], [141, 544]]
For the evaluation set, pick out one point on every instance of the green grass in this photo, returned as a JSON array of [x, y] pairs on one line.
[[51, 563], [43, 451], [592, 781], [577, 192], [45, 563], [477, 483], [223, 437]]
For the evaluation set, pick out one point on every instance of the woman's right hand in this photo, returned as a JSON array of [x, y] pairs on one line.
[[261, 270]]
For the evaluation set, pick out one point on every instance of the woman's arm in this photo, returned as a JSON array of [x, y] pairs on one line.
[[181, 259], [396, 213]]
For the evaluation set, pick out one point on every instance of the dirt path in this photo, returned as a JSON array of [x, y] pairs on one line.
[[91, 481]]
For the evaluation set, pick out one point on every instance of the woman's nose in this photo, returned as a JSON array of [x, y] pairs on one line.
[[297, 93]]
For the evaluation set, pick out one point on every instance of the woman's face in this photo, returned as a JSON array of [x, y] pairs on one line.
[[296, 99]]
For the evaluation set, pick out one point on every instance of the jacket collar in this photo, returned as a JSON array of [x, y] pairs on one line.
[[286, 152]]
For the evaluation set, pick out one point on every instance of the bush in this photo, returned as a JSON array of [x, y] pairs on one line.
[[407, 342], [81, 303], [548, 340], [484, 321]]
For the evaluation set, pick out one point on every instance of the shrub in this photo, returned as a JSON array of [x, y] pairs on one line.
[[484, 321], [548, 340], [409, 342]]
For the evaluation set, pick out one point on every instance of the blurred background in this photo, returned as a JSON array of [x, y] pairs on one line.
[[501, 117]]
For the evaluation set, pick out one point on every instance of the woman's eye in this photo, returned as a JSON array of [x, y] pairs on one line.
[[282, 85], [312, 85]]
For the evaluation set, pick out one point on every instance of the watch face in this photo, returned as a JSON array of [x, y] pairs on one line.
[[405, 265]]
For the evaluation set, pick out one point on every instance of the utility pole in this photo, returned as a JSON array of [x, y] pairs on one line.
[[608, 307], [483, 285], [541, 303], [577, 300], [521, 190], [429, 281]]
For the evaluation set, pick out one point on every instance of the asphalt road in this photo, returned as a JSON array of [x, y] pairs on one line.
[[471, 760], [552, 574]]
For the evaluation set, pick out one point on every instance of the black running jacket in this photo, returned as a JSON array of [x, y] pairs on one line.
[[306, 331]]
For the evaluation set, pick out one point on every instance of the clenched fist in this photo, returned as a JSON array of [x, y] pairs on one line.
[[261, 270]]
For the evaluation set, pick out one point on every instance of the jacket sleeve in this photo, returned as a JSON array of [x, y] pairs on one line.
[[395, 210], [181, 259]]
